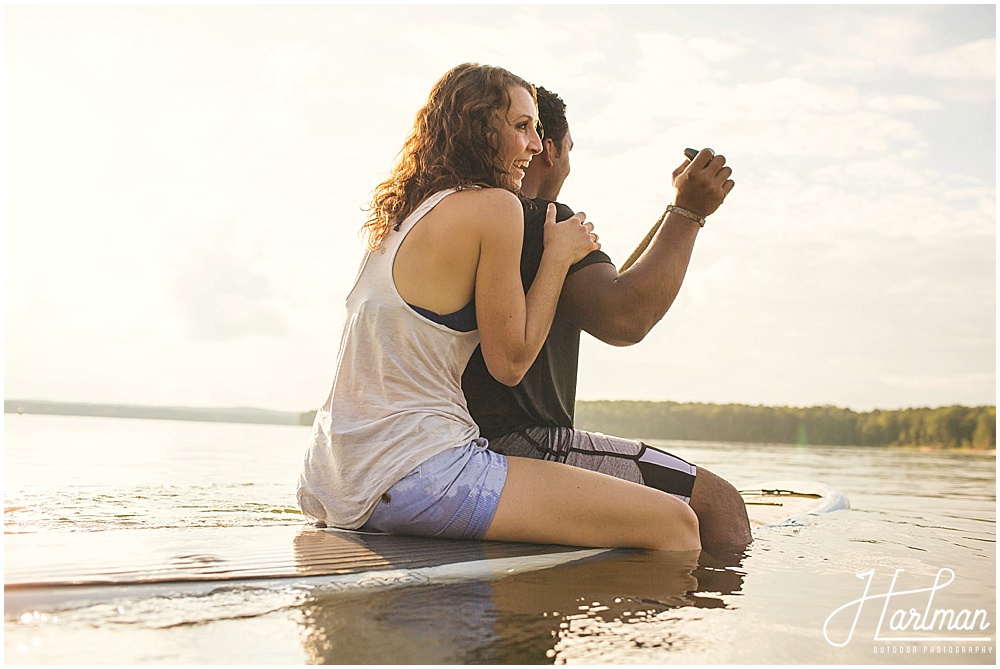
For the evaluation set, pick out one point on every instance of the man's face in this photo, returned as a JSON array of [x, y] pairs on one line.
[[560, 160]]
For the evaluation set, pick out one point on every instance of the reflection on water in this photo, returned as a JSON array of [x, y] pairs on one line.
[[438, 624], [574, 611], [529, 618]]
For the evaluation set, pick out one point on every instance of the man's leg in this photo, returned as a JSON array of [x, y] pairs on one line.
[[720, 509], [721, 512]]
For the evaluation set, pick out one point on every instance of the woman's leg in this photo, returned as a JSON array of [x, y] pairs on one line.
[[549, 502], [722, 515]]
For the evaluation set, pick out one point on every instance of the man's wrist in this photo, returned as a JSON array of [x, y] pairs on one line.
[[686, 213]]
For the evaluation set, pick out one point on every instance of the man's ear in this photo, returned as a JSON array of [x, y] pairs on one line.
[[548, 153]]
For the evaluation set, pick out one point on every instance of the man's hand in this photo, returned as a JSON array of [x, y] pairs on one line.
[[703, 183]]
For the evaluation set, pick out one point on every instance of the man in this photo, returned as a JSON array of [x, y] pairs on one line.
[[535, 418]]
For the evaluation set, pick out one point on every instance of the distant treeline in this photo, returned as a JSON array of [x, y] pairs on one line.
[[234, 415], [951, 427]]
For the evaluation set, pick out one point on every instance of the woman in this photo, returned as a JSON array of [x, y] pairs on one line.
[[394, 448]]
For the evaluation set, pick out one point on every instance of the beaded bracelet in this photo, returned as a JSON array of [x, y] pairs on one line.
[[700, 220]]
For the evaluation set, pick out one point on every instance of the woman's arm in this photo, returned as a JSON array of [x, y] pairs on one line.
[[513, 326]]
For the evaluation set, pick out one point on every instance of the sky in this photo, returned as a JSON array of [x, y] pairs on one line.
[[183, 189]]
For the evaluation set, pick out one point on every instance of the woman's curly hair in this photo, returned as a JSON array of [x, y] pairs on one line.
[[453, 144]]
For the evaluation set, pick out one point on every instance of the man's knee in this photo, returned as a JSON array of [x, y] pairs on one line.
[[720, 509], [714, 490]]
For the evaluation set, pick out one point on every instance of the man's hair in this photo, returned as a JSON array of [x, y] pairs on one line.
[[552, 116], [453, 144]]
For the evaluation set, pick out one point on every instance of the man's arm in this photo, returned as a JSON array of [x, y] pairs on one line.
[[620, 309]]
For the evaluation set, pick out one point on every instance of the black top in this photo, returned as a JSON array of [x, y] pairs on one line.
[[546, 396]]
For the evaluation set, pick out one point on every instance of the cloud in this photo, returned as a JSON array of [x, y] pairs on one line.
[[220, 289], [973, 60], [898, 103], [185, 132], [714, 50], [852, 43], [100, 55], [292, 67]]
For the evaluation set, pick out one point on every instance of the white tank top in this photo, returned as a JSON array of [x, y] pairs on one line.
[[396, 399]]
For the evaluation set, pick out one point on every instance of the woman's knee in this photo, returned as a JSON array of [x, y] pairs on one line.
[[664, 522], [684, 529]]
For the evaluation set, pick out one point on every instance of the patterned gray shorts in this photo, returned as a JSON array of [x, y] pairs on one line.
[[622, 458]]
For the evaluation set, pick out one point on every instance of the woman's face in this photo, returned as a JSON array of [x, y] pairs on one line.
[[518, 130]]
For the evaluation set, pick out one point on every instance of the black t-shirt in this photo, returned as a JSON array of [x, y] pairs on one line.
[[546, 396]]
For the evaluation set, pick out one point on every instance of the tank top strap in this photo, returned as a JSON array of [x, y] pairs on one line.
[[422, 209]]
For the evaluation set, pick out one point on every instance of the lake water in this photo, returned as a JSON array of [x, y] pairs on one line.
[[930, 514]]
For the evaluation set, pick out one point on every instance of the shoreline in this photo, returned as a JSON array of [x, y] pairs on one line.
[[249, 415]]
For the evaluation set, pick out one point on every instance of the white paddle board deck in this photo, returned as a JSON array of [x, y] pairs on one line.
[[79, 568], [82, 567]]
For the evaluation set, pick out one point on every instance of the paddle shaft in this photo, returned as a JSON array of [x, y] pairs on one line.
[[690, 154], [642, 245]]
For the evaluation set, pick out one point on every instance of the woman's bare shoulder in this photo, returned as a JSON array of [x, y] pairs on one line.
[[486, 205], [491, 211]]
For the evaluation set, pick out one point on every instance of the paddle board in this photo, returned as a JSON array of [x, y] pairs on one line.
[[68, 569], [791, 502]]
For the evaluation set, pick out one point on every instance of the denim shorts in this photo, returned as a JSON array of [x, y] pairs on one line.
[[453, 494]]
